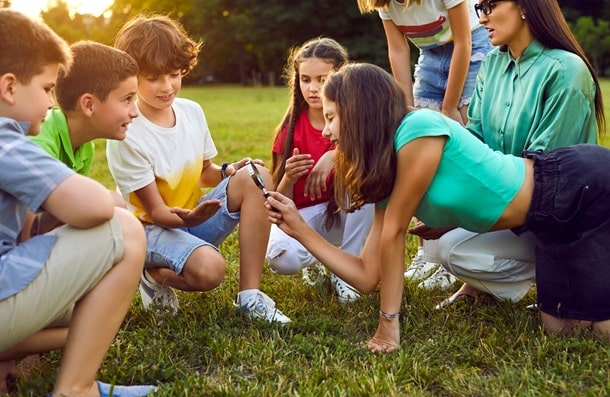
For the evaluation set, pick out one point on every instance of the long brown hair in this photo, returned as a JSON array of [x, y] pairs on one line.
[[370, 106], [323, 48], [330, 51], [548, 25]]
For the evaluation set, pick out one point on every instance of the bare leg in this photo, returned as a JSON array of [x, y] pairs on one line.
[[41, 342], [602, 330], [204, 270], [561, 326], [98, 315], [254, 226]]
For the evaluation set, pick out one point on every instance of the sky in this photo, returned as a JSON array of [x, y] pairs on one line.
[[33, 7]]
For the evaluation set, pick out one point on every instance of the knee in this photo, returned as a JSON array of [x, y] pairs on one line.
[[205, 272], [132, 229], [134, 241], [282, 263]]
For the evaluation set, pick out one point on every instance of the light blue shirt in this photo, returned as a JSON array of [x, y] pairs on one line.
[[28, 176]]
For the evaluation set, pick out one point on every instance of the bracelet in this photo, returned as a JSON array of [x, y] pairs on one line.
[[223, 170], [389, 316]]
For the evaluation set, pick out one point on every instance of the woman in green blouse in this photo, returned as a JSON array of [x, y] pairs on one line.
[[535, 91]]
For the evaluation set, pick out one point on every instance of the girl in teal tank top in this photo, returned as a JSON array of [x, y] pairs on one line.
[[423, 164]]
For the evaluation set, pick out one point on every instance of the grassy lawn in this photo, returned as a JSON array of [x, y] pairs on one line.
[[486, 349]]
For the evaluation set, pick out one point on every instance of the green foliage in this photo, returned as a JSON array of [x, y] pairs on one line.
[[594, 37], [486, 348], [247, 41]]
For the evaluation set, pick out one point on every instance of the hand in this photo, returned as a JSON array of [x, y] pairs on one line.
[[297, 165], [232, 168], [8, 369], [199, 214], [454, 114], [429, 233], [283, 212], [316, 180], [387, 337]]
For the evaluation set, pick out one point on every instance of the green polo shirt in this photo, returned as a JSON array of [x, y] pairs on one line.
[[54, 138], [543, 100]]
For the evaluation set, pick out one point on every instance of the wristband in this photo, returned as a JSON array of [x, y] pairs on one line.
[[223, 170]]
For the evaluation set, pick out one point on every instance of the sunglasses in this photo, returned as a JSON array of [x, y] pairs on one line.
[[485, 7]]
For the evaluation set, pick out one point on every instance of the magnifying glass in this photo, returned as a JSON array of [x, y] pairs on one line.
[[256, 177]]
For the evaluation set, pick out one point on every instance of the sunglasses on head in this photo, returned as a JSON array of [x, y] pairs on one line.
[[485, 7]]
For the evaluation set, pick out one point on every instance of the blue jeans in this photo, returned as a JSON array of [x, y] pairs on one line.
[[570, 218], [172, 247], [432, 71]]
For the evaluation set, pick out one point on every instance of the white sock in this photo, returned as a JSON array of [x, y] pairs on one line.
[[420, 250], [244, 296]]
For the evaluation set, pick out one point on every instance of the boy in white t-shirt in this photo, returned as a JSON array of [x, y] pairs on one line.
[[161, 167]]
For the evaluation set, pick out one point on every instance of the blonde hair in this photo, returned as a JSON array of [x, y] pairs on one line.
[[366, 6]]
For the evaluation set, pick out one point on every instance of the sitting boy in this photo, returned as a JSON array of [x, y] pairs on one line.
[[90, 108], [71, 287], [160, 168]]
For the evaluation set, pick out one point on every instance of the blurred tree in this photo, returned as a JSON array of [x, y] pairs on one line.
[[594, 37], [573, 9], [247, 41], [73, 27]]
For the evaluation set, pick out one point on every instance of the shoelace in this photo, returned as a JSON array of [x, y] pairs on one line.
[[260, 303]]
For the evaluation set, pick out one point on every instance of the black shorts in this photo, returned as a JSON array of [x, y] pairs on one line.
[[570, 218]]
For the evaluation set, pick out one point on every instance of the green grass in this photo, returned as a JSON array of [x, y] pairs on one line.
[[488, 349]]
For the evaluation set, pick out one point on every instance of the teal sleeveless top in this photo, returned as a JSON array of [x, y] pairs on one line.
[[473, 184]]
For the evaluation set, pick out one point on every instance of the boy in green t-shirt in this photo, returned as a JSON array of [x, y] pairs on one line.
[[96, 100]]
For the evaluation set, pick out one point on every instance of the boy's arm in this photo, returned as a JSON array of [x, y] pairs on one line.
[[80, 202], [210, 174], [38, 223], [173, 217]]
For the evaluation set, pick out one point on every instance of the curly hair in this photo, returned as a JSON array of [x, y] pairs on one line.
[[159, 45]]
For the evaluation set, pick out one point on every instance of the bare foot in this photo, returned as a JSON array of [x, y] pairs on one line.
[[465, 292], [466, 289], [387, 336], [8, 370]]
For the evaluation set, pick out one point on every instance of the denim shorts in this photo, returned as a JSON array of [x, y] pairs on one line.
[[570, 218], [432, 71], [172, 247]]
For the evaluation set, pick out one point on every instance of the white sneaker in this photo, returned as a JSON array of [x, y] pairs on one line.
[[153, 293], [260, 306], [420, 269], [314, 274], [345, 292], [440, 279]]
